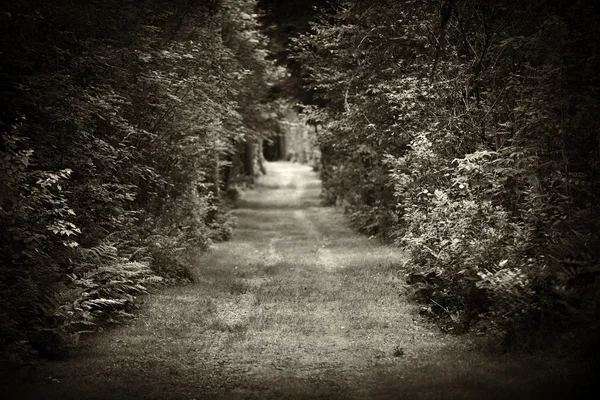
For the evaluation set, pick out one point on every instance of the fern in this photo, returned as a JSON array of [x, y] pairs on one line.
[[104, 294]]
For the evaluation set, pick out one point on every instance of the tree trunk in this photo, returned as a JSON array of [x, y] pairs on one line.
[[216, 176], [282, 142], [261, 157], [249, 151]]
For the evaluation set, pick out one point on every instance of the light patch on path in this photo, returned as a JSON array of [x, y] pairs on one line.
[[234, 313], [272, 257], [325, 257], [296, 306]]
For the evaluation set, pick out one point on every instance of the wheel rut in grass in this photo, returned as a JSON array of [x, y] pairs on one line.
[[296, 306]]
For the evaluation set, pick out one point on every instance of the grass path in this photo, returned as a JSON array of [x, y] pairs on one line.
[[296, 306]]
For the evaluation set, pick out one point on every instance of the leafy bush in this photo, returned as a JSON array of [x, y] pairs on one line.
[[454, 232], [474, 146]]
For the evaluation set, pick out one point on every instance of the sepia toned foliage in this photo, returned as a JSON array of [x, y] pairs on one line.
[[120, 126], [467, 132]]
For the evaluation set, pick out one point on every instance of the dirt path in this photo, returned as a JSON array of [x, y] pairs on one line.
[[296, 306]]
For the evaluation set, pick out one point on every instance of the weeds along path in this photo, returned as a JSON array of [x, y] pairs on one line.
[[296, 306]]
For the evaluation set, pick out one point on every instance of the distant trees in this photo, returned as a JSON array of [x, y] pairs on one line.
[[467, 132], [122, 125]]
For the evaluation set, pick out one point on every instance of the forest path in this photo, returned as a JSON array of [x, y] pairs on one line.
[[297, 305]]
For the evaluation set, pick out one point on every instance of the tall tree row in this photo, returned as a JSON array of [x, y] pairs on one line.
[[123, 123], [467, 132]]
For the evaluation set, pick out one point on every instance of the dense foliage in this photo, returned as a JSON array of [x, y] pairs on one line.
[[467, 132], [124, 124]]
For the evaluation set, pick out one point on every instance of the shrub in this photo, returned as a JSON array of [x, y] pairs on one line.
[[455, 235]]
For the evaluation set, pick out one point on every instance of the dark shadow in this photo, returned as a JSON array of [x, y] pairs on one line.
[[431, 381], [274, 149]]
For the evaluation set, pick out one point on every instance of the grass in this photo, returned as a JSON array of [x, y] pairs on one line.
[[296, 306]]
